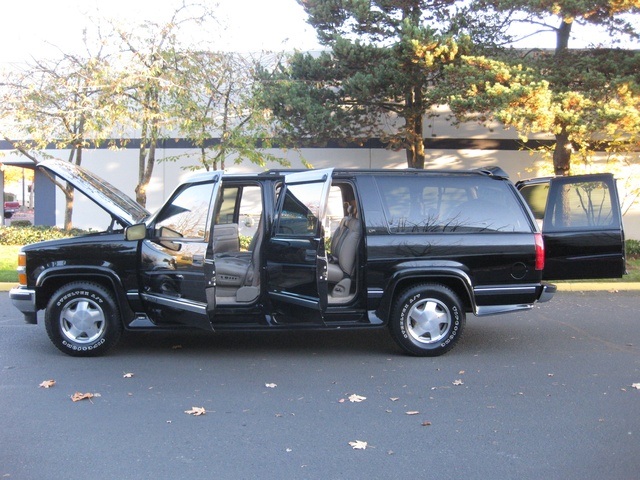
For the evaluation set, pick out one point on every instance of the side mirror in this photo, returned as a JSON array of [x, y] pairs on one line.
[[136, 232], [167, 237]]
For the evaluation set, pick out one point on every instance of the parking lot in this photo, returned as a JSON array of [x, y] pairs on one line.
[[549, 393]]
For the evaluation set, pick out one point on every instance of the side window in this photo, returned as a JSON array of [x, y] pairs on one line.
[[300, 210], [187, 212], [228, 206], [237, 218], [450, 204], [536, 197], [578, 205]]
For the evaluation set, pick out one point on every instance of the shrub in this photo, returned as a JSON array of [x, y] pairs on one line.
[[245, 241], [21, 223], [633, 248], [25, 235]]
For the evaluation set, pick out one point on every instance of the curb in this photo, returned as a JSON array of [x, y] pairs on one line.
[[562, 287], [598, 287]]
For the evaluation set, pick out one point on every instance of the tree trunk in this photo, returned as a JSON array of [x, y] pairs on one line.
[[413, 126], [563, 148], [68, 209], [415, 153], [562, 154], [562, 36], [145, 172], [69, 191]]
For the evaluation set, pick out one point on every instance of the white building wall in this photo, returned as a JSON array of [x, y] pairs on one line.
[[120, 169]]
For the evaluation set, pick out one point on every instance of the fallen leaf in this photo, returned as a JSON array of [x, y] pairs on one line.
[[412, 412], [341, 400], [47, 384], [461, 372], [636, 386], [356, 398], [458, 382], [127, 375], [196, 411], [270, 385], [76, 397], [394, 399], [358, 445], [426, 424]]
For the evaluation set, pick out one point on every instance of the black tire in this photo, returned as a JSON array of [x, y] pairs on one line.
[[427, 320], [82, 319]]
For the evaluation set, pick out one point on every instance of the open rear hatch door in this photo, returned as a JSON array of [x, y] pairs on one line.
[[581, 225]]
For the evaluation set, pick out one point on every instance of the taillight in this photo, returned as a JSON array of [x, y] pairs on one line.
[[22, 268], [539, 251]]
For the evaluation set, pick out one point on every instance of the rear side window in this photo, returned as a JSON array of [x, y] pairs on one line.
[[447, 204], [578, 205]]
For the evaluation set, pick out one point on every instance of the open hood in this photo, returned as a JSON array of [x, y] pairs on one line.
[[117, 204]]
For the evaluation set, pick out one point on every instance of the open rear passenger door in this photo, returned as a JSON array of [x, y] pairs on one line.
[[295, 254], [581, 225]]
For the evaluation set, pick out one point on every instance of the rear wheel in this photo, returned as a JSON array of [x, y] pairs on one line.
[[82, 319], [427, 320]]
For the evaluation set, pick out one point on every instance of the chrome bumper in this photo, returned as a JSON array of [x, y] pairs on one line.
[[548, 290], [24, 299]]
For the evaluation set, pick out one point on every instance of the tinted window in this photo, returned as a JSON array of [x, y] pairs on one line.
[[577, 205], [300, 209], [420, 204], [536, 197], [187, 212]]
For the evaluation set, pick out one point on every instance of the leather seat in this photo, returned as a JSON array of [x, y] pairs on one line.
[[344, 254], [242, 269]]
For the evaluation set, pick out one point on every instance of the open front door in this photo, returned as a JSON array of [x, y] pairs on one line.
[[175, 272], [582, 226], [296, 260]]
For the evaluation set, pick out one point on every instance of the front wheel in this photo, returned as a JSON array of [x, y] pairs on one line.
[[82, 319], [427, 320]]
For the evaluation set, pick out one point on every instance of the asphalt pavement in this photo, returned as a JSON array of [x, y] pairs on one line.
[[550, 393]]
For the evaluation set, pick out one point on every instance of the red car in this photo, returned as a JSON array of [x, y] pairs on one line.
[[10, 208]]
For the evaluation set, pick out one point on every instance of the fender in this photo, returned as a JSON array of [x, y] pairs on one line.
[[78, 272], [451, 274]]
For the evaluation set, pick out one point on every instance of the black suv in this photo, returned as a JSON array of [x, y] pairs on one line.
[[322, 249]]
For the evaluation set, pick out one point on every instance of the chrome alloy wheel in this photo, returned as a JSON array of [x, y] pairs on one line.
[[82, 321], [428, 321]]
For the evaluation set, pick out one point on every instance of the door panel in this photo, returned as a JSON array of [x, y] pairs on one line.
[[295, 254], [175, 278], [582, 229]]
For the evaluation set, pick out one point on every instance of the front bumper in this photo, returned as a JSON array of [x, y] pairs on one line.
[[24, 299]]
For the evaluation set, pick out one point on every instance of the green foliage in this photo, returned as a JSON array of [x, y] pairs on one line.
[[578, 96], [26, 235], [633, 248], [245, 241], [384, 59], [21, 223], [9, 263], [221, 100]]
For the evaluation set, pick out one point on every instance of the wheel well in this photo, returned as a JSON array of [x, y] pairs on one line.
[[52, 284], [455, 284]]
